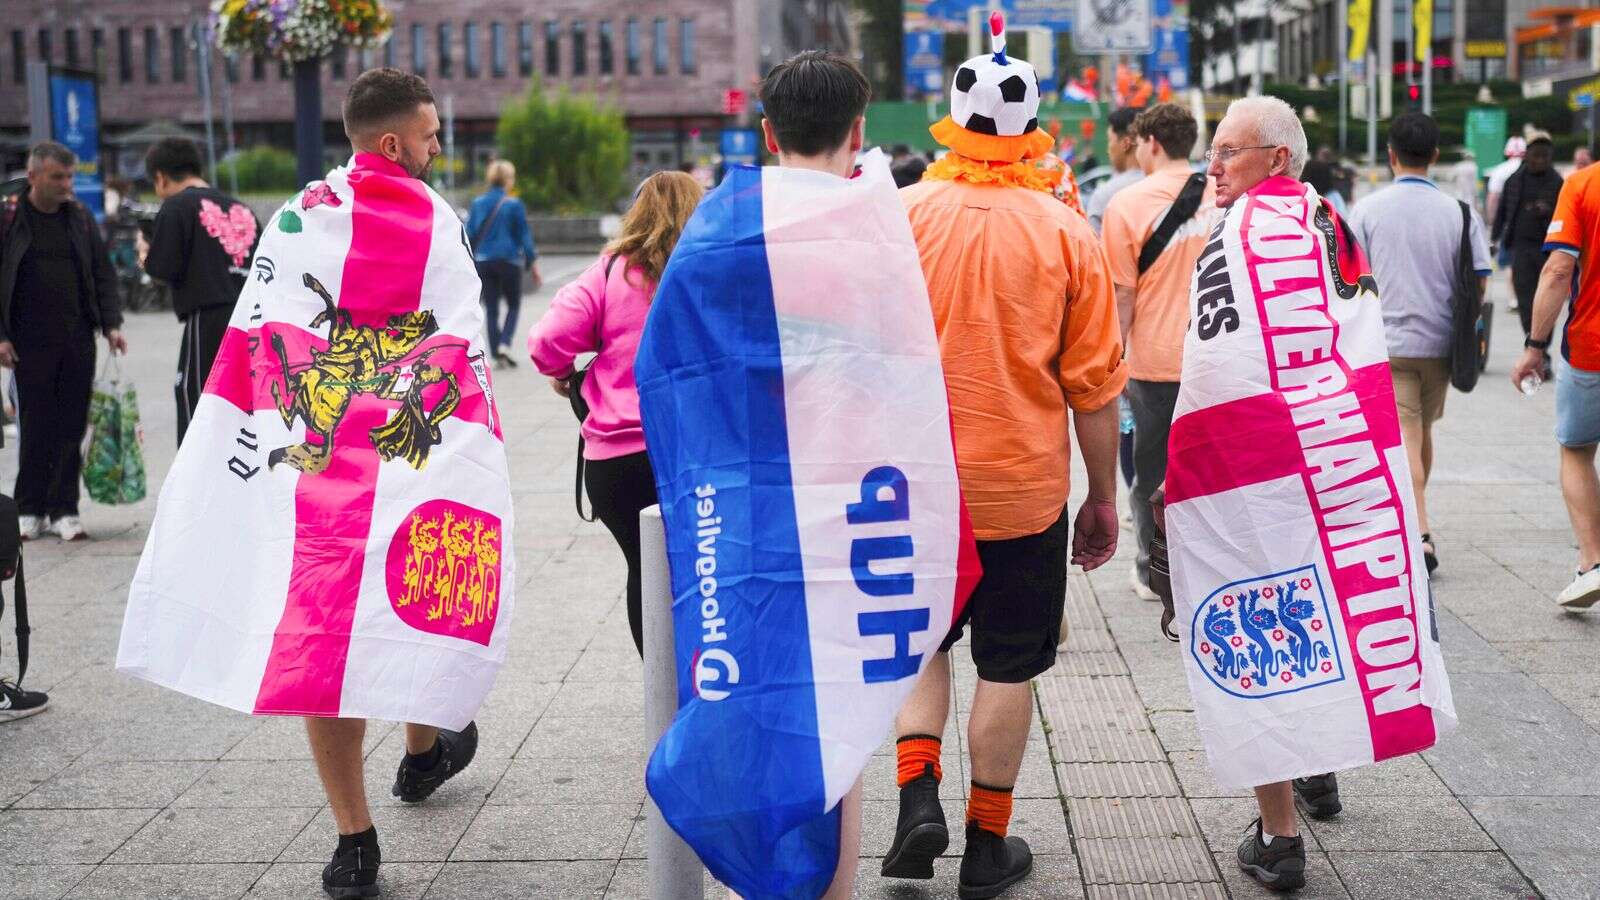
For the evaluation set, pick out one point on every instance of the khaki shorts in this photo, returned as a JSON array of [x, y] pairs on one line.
[[1419, 386]]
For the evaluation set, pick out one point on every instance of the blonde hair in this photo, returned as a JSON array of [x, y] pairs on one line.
[[501, 174], [651, 227]]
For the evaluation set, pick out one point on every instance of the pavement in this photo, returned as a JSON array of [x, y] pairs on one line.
[[124, 790]]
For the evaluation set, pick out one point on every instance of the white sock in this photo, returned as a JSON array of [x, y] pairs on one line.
[[1267, 839]]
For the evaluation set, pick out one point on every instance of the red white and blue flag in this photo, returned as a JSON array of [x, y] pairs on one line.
[[795, 411], [334, 536]]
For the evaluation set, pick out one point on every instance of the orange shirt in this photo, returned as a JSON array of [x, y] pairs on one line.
[[1027, 327], [1161, 294], [1576, 229]]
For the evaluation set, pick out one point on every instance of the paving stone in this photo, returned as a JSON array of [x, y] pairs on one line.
[[1403, 776], [1117, 779], [1322, 882], [1140, 860], [1054, 877], [617, 699], [470, 787], [284, 737], [302, 881], [187, 881], [1089, 663], [608, 666], [548, 832], [1490, 754], [878, 820], [1551, 839], [583, 738], [1401, 824], [1465, 650], [878, 779], [1118, 817], [422, 833], [616, 779], [40, 882], [102, 784], [45, 836], [1194, 773], [1207, 891], [1176, 730], [478, 880], [631, 882], [1224, 821], [1402, 876], [255, 783], [28, 767], [217, 835]]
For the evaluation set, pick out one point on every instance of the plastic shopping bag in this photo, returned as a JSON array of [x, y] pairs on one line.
[[113, 457]]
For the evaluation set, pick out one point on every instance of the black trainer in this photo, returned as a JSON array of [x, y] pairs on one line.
[[920, 835], [353, 872], [1279, 867], [1318, 796], [992, 863], [456, 749], [16, 703]]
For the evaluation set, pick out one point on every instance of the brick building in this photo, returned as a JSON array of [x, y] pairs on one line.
[[667, 63]]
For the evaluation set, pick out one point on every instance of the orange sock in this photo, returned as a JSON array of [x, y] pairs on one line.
[[914, 753], [990, 807]]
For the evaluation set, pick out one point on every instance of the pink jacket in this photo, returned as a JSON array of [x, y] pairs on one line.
[[603, 315]]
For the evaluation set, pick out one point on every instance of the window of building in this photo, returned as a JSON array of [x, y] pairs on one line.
[[97, 49], [47, 51], [180, 55], [447, 64], [230, 68], [388, 52], [152, 56], [552, 49], [124, 54], [363, 61], [607, 57], [258, 69], [471, 59], [72, 48], [419, 48], [284, 72], [686, 62], [338, 60], [19, 56], [524, 49], [580, 48], [634, 51], [660, 51], [497, 49]]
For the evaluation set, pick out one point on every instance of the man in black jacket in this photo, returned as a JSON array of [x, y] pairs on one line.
[[57, 288], [1526, 208]]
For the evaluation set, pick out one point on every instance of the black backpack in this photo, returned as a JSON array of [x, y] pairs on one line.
[[580, 408], [1471, 317], [11, 567]]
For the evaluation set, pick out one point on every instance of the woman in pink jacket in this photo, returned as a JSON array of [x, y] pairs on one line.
[[603, 312]]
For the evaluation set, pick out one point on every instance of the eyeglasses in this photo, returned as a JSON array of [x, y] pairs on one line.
[[1226, 153]]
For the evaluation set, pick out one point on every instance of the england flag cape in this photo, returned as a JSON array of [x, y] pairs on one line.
[[1303, 603], [795, 412], [334, 538]]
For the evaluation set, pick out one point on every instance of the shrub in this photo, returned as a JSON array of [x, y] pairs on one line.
[[571, 152], [261, 170]]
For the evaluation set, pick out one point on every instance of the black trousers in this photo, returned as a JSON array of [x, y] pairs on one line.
[[502, 281], [1153, 403], [618, 489], [53, 385], [1527, 261], [203, 332]]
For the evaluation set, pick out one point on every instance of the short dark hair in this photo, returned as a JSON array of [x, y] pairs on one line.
[[812, 99], [173, 157], [1414, 138], [1121, 120], [379, 97], [53, 152], [1172, 126]]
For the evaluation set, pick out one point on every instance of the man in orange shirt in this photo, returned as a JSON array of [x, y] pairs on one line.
[[1027, 324], [1571, 243], [1154, 231]]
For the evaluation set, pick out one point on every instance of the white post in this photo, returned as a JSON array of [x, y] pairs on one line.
[[1344, 73], [1427, 80], [673, 871], [1372, 111]]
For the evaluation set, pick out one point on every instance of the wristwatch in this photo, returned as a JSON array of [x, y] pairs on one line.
[[1536, 344]]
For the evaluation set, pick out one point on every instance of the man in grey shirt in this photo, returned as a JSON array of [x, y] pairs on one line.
[[1120, 144], [1411, 232]]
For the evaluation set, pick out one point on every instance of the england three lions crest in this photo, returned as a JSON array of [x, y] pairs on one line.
[[1265, 636]]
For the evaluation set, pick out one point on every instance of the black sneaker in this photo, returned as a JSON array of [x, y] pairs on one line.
[[1318, 796], [920, 835], [353, 873], [456, 749], [992, 863], [1280, 867], [16, 703], [506, 359]]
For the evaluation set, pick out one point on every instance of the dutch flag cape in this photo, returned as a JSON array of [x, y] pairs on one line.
[[334, 537], [795, 412], [1297, 572]]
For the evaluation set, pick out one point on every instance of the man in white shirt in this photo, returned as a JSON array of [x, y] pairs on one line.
[[1120, 144]]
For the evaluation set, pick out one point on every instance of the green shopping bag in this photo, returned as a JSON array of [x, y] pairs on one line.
[[113, 461]]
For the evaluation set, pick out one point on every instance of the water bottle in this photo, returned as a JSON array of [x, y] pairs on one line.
[[1530, 384]]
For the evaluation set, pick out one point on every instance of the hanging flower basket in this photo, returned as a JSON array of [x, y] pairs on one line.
[[298, 30]]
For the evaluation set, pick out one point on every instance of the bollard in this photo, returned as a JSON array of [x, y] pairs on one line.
[[673, 869]]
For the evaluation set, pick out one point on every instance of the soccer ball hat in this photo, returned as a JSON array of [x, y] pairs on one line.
[[994, 106]]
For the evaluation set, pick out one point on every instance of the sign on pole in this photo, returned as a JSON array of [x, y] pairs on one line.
[[924, 64], [75, 122], [1486, 136], [1113, 26]]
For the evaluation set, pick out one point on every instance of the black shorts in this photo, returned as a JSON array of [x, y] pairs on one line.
[[1015, 610]]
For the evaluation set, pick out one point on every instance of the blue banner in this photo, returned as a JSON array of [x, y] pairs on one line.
[[1170, 39], [75, 122], [951, 15], [739, 146], [924, 64]]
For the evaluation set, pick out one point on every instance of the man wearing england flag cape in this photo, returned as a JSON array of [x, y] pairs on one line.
[[1301, 599], [797, 422], [333, 540]]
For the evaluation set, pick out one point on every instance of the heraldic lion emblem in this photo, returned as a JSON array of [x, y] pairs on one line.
[[363, 360]]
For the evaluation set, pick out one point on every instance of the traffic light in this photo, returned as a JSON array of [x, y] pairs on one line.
[[1414, 95]]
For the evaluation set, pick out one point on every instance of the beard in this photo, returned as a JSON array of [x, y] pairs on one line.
[[417, 168]]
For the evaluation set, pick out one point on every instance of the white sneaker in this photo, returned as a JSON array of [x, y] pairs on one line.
[[1583, 592], [32, 526], [1140, 589], [68, 528]]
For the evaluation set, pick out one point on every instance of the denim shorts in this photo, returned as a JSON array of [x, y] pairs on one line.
[[1577, 406]]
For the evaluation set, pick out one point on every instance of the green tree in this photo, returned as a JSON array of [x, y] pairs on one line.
[[571, 152], [882, 31], [261, 169]]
